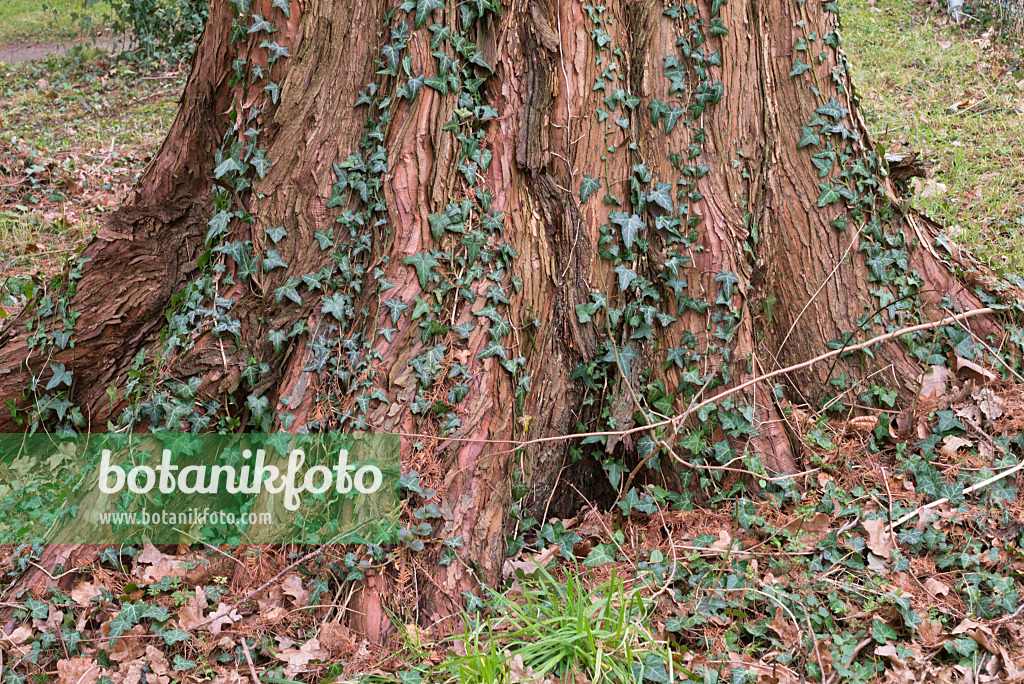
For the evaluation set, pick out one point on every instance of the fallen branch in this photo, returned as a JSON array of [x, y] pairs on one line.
[[969, 490]]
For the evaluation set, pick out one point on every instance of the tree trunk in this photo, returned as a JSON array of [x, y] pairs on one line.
[[463, 279]]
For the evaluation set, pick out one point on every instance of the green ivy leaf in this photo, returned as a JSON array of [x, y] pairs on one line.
[[335, 306], [60, 376], [799, 67], [601, 555], [226, 166], [284, 6], [423, 10], [289, 290], [829, 194], [277, 233], [630, 225], [424, 264], [492, 349], [809, 137], [625, 358], [588, 187], [261, 24], [273, 260], [626, 276], [833, 109], [662, 196]]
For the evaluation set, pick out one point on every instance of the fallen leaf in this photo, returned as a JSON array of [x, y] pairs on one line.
[[816, 524], [224, 615], [530, 564], [865, 424], [190, 616], [52, 622], [160, 565], [292, 585], [130, 645], [724, 542], [78, 670], [930, 188], [157, 661], [879, 539], [931, 633], [981, 634], [787, 631], [971, 371], [933, 383], [990, 403], [936, 587], [338, 639], [298, 659], [17, 636], [84, 593], [952, 444]]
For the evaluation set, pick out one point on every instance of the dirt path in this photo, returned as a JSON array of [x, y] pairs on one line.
[[26, 52]]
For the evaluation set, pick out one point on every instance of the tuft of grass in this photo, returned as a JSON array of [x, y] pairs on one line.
[[24, 21], [565, 629], [956, 94]]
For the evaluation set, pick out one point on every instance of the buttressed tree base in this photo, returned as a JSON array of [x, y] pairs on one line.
[[490, 227]]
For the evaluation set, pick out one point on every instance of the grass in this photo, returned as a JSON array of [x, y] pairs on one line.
[[569, 629], [41, 20], [955, 94], [75, 135]]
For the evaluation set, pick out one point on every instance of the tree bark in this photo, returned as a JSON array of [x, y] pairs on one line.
[[769, 279]]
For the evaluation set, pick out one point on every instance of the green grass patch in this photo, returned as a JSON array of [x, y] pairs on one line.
[[24, 21], [955, 94]]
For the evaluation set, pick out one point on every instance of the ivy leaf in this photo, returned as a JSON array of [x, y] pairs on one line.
[[284, 6], [671, 117], [226, 166], [131, 614], [630, 225], [833, 109], [626, 276], [335, 306], [588, 187], [173, 636], [809, 137], [289, 290], [261, 24], [829, 194], [799, 67], [423, 10], [325, 238], [261, 164], [274, 90], [277, 234], [729, 280], [273, 260], [397, 306], [424, 264], [948, 422], [441, 34], [662, 196], [625, 359], [492, 349], [60, 376], [277, 338], [600, 555]]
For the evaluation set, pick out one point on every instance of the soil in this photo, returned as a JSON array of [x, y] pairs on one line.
[[26, 52]]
